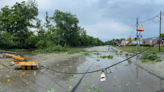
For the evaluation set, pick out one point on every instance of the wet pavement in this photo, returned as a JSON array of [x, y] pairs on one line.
[[125, 77]]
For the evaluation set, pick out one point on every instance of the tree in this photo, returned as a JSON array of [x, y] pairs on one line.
[[17, 19], [122, 39], [67, 23], [83, 37]]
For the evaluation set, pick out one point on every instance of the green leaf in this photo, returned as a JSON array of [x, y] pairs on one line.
[[137, 83], [34, 73], [7, 76], [73, 75], [51, 90]]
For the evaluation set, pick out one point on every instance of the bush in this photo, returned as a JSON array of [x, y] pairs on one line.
[[32, 41], [152, 57], [153, 52], [51, 49], [126, 54], [41, 44]]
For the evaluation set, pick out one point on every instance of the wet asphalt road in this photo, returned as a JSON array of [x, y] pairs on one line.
[[125, 77]]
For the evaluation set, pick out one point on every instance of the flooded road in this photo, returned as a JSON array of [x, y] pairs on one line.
[[124, 77]]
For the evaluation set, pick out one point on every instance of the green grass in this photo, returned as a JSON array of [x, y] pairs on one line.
[[26, 55], [86, 54], [133, 49], [150, 58], [73, 51], [109, 57]]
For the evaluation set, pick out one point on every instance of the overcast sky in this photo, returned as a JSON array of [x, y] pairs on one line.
[[106, 19]]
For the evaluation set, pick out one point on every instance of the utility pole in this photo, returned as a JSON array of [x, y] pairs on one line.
[[139, 40], [159, 31], [137, 36]]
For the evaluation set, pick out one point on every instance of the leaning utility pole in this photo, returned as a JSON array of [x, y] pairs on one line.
[[137, 36], [159, 31], [139, 39]]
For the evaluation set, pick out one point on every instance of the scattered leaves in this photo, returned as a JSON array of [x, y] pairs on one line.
[[51, 90], [98, 59], [20, 75], [90, 88], [68, 79], [34, 73], [137, 83], [7, 76], [73, 75]]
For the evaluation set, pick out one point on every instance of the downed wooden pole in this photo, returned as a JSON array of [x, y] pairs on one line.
[[7, 52]]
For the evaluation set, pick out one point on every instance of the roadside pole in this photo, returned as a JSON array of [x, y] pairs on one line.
[[139, 40], [137, 36], [160, 31]]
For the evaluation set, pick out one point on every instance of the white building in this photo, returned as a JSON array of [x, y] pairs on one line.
[[133, 42]]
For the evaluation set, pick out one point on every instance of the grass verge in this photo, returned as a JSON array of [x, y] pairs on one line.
[[150, 58], [133, 49]]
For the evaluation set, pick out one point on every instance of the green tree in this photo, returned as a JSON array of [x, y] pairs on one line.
[[17, 19], [67, 23]]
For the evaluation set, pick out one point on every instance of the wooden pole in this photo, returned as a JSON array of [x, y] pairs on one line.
[[160, 31]]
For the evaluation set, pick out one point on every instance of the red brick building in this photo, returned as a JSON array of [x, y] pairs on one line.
[[152, 41]]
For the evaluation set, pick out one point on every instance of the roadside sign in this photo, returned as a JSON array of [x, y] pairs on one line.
[[140, 28], [129, 39], [140, 36]]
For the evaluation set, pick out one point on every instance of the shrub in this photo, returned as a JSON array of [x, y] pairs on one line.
[[126, 54], [153, 52], [152, 57]]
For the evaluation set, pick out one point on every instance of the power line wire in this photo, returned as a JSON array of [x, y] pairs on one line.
[[132, 30], [150, 18]]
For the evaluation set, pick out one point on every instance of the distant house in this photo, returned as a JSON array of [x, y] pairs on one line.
[[124, 42], [115, 43], [133, 42], [152, 41]]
